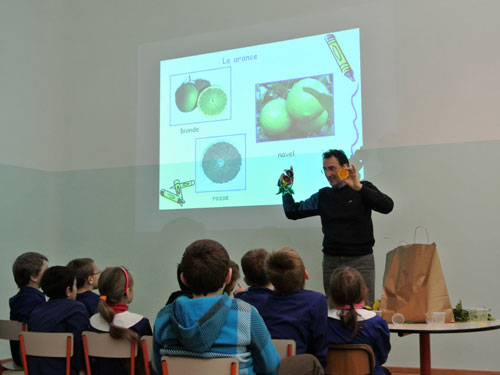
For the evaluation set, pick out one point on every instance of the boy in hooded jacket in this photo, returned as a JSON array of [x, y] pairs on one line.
[[210, 324]]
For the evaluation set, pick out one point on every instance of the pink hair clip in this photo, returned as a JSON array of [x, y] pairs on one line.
[[126, 278]]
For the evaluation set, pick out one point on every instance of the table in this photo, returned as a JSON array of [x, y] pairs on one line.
[[425, 330]]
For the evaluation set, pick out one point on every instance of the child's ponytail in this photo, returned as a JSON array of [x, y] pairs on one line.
[[347, 291], [114, 284], [349, 318]]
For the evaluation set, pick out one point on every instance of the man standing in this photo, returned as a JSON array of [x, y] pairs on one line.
[[345, 209]]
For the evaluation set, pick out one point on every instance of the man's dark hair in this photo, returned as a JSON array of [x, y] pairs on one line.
[[286, 271], [83, 268], [205, 265], [253, 264], [56, 280], [338, 154], [27, 265]]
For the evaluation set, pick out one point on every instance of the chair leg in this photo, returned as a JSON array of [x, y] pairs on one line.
[[145, 357]]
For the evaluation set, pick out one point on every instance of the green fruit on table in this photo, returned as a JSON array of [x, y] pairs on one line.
[[274, 117], [186, 97], [302, 105], [314, 124]]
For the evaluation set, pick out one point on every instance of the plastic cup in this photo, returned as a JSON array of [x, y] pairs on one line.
[[482, 315], [438, 317], [473, 315], [398, 319]]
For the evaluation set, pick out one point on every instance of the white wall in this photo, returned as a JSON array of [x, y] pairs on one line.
[[31, 89]]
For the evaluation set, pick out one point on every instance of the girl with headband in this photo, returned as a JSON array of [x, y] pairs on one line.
[[116, 287], [349, 323]]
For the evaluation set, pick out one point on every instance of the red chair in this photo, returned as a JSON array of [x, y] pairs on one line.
[[9, 330], [102, 345], [44, 344], [350, 359], [285, 348], [147, 350], [212, 366]]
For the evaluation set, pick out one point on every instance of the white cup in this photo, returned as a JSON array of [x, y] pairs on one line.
[[398, 319], [482, 315], [438, 317], [473, 315], [378, 312]]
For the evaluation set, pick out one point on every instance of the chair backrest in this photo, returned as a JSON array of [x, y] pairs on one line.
[[212, 366], [102, 345], [284, 347], [9, 329], [46, 344], [147, 350], [350, 359]]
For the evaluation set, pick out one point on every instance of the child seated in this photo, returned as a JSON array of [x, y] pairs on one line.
[[349, 323], [87, 276], [235, 276], [210, 324], [116, 286], [28, 270], [293, 312], [60, 314], [253, 265]]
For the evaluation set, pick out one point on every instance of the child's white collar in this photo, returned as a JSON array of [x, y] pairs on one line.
[[125, 319], [362, 314]]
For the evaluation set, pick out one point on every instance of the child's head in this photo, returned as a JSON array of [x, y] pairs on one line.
[[286, 271], [253, 264], [347, 287], [28, 269], [116, 286], [205, 267], [87, 273], [235, 275], [59, 282]]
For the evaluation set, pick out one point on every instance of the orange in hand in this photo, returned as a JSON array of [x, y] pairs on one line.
[[343, 173]]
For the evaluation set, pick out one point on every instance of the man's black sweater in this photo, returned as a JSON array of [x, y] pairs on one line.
[[345, 216]]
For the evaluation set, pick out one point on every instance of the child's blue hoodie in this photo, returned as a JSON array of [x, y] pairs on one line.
[[211, 327]]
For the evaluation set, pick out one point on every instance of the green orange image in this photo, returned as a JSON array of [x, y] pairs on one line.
[[212, 101], [186, 97], [274, 117], [302, 105], [296, 108]]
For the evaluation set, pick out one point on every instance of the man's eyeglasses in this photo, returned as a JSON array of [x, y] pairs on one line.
[[328, 169]]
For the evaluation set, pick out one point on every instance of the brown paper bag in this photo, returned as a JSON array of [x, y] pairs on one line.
[[414, 284]]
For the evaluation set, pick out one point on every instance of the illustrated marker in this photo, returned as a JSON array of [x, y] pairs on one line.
[[178, 189], [172, 197], [344, 66], [184, 184]]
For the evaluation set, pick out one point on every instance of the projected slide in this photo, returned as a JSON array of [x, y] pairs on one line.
[[231, 121]]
